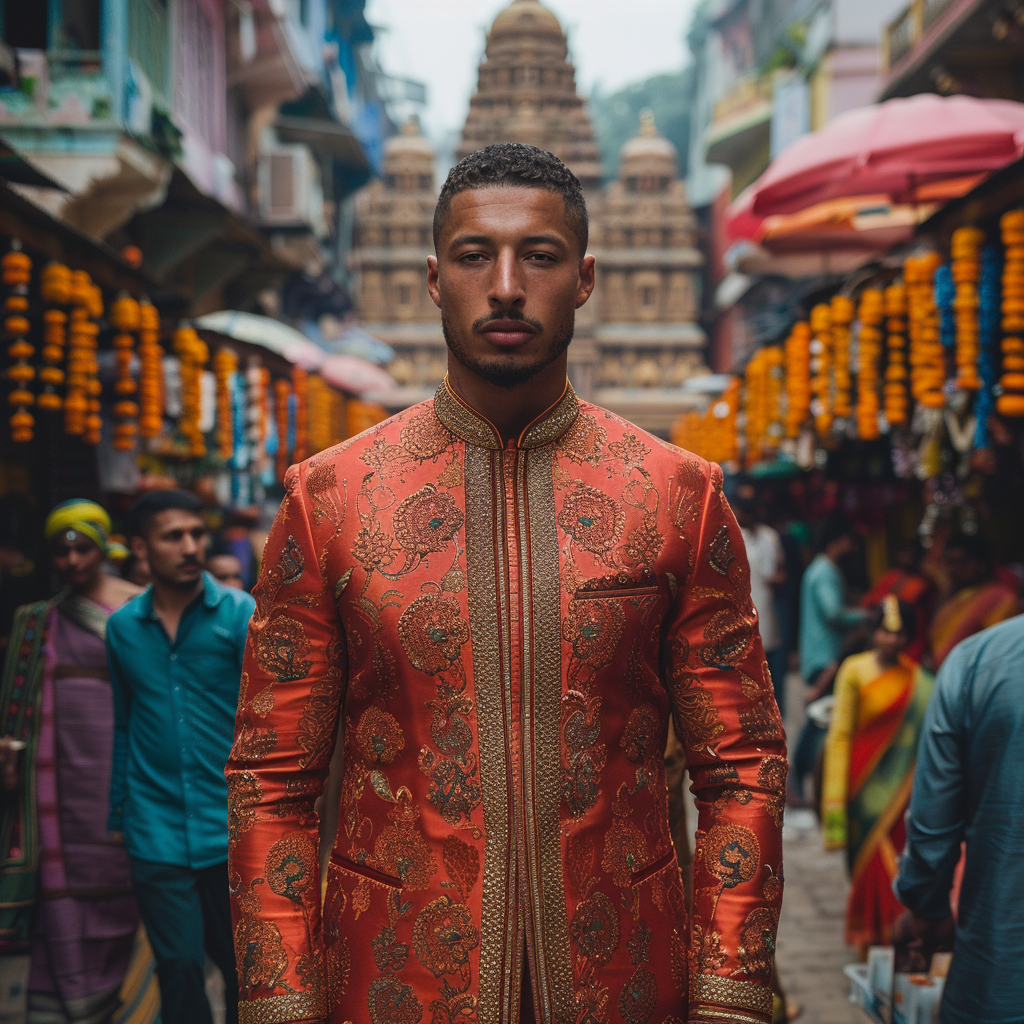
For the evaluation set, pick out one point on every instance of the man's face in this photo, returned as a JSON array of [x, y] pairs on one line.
[[175, 547], [508, 278], [226, 569]]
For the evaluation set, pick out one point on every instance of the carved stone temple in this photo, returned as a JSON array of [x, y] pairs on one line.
[[637, 339]]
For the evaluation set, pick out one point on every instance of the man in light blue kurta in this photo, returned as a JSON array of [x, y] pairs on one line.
[[969, 785]]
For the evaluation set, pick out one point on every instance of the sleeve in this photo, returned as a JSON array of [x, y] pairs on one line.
[[292, 686], [830, 600], [119, 766], [936, 820], [725, 714], [836, 781]]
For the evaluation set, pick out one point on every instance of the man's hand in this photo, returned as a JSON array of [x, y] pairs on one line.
[[821, 683], [916, 939], [11, 751]]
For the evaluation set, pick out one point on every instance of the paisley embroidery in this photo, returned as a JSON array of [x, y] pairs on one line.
[[583, 758], [756, 951], [733, 854], [280, 647], [585, 440], [244, 794], [260, 955], [291, 868], [639, 997], [595, 929], [594, 628], [642, 731], [592, 519], [432, 632], [444, 936], [391, 1002], [426, 521], [379, 737], [425, 436], [462, 862]]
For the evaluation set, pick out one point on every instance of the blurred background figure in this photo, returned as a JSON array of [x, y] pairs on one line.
[[226, 568], [826, 622], [969, 786], [880, 700], [977, 598], [911, 587], [65, 888]]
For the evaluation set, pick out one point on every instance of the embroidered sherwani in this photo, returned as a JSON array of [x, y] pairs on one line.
[[505, 630]]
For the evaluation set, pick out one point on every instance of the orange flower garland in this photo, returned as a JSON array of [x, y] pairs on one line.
[[870, 312], [55, 289], [225, 365], [76, 401], [93, 421], [965, 249], [17, 270], [841, 310], [151, 372], [125, 315], [1011, 383], [324, 414], [763, 402], [821, 369], [192, 356], [927, 357], [798, 378], [712, 436], [282, 393]]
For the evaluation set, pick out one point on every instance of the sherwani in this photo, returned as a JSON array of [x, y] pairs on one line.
[[504, 629]]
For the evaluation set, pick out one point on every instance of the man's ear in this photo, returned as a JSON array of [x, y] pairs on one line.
[[432, 286], [586, 280], [139, 547]]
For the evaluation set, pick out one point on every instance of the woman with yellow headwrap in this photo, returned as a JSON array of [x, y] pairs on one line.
[[880, 700], [66, 903]]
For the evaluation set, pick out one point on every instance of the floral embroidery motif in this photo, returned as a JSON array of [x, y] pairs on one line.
[[756, 951], [379, 737], [625, 847], [583, 758], [630, 449], [425, 436], [772, 776], [280, 647], [317, 724], [592, 519], [426, 521], [244, 793], [403, 853], [432, 632], [639, 997], [260, 955], [585, 440], [733, 854], [594, 628], [642, 730], [444, 936], [373, 548], [291, 868], [391, 1002], [595, 929], [462, 862]]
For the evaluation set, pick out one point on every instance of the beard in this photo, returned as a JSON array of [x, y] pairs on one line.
[[509, 370]]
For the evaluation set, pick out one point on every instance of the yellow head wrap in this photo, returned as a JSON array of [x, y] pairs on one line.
[[87, 518]]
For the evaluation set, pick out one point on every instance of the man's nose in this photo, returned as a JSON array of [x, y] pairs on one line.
[[190, 545], [507, 285]]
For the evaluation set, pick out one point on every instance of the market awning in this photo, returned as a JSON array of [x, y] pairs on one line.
[[16, 169], [355, 375], [266, 333]]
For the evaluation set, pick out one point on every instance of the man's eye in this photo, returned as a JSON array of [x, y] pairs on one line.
[[474, 257]]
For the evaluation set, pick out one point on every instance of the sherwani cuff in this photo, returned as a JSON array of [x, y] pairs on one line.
[[306, 1007], [717, 1000]]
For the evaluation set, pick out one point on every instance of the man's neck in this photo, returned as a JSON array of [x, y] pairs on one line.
[[509, 410], [174, 600]]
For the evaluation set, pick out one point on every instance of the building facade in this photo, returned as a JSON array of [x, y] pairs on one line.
[[637, 340]]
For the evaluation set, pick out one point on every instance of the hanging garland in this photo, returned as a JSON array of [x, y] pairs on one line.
[[927, 358], [282, 396], [798, 378], [76, 401], [988, 334], [151, 372], [55, 290], [1011, 401], [257, 405], [125, 315], [841, 312], [821, 369], [870, 312], [965, 249], [17, 272], [192, 356], [763, 402], [225, 364]]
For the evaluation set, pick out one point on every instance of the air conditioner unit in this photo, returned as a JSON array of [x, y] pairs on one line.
[[288, 182]]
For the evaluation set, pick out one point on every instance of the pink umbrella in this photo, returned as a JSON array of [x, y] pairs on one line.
[[904, 148], [355, 375]]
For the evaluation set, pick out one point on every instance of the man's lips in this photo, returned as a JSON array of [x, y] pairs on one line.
[[508, 333]]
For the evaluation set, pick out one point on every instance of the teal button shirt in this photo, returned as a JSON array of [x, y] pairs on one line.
[[174, 721], [824, 618]]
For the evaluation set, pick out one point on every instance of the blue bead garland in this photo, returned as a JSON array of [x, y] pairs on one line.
[[945, 292], [990, 296]]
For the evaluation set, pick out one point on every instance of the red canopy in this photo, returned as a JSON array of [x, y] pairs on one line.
[[911, 149]]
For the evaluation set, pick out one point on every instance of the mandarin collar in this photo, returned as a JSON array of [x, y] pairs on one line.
[[473, 428]]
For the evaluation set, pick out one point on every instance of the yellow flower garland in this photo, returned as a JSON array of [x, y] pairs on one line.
[[1011, 383], [17, 272]]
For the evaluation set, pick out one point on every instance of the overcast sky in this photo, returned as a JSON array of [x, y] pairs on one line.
[[440, 42]]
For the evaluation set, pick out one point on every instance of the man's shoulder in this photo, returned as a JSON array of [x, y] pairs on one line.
[[622, 439], [127, 613], [1004, 640], [237, 602]]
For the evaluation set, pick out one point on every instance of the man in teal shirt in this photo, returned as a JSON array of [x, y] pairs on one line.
[[175, 656]]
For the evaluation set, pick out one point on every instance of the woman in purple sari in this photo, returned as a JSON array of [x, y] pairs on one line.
[[65, 883]]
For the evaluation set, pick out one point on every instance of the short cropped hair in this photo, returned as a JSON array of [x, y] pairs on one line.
[[149, 506], [832, 529], [516, 165]]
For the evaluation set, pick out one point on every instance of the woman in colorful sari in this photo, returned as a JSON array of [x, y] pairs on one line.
[[880, 700], [65, 884]]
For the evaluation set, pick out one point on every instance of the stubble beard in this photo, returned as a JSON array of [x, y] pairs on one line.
[[509, 370]]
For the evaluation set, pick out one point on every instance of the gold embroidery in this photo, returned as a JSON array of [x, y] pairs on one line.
[[745, 995], [282, 1009]]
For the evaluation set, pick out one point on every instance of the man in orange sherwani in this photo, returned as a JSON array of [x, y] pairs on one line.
[[504, 593]]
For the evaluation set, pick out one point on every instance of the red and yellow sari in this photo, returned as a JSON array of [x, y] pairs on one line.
[[967, 612], [869, 771]]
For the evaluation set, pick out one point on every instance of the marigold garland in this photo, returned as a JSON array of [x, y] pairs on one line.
[[282, 397], [1011, 400], [870, 313], [125, 315], [257, 412], [841, 310], [762, 391], [17, 271], [225, 365], [55, 290], [798, 377], [192, 355], [300, 387], [927, 357], [965, 249], [151, 372], [326, 408], [80, 332], [821, 369]]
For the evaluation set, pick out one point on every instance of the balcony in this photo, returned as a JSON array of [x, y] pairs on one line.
[[739, 135]]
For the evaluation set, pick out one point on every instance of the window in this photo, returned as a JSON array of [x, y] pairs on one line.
[[648, 295], [404, 295]]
